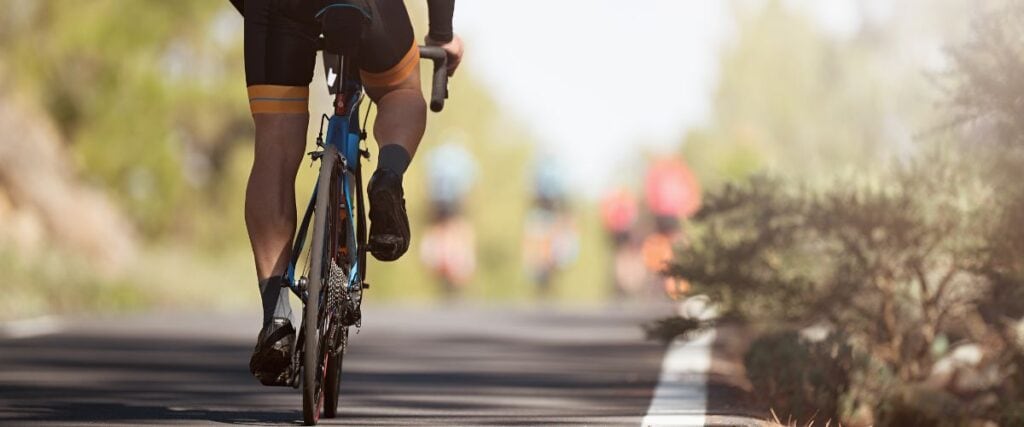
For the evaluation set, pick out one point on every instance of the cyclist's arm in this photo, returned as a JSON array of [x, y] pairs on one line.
[[441, 13]]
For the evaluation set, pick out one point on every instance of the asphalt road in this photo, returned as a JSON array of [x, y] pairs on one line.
[[422, 366]]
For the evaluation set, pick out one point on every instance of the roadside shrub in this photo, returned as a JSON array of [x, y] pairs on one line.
[[918, 273], [800, 378], [887, 267], [922, 406]]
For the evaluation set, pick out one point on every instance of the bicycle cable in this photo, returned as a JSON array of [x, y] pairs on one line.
[[366, 119]]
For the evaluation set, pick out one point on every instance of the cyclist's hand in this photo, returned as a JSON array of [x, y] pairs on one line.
[[454, 49]]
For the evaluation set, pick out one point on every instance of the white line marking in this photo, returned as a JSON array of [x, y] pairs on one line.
[[33, 327], [681, 398]]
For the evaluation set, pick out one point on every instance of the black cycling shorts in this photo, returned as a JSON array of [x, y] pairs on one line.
[[281, 44]]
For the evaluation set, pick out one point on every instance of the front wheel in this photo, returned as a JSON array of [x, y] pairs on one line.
[[316, 322]]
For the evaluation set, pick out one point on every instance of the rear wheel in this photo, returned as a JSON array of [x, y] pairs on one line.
[[347, 259], [316, 322], [332, 382]]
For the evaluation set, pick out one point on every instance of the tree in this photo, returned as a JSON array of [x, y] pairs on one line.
[[902, 268]]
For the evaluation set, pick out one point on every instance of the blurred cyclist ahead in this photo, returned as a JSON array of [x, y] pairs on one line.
[[619, 216], [448, 247], [672, 194], [550, 241]]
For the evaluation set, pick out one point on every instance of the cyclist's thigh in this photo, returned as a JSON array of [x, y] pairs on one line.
[[388, 54], [280, 52]]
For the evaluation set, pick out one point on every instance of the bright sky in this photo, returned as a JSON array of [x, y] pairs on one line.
[[598, 80]]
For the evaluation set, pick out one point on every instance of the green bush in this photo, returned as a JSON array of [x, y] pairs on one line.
[[900, 268], [924, 407], [894, 269], [800, 378]]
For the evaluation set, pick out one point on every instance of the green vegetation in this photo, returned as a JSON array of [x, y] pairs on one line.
[[892, 297], [61, 283], [148, 103], [793, 101]]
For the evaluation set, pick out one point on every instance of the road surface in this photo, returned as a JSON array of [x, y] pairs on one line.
[[406, 366]]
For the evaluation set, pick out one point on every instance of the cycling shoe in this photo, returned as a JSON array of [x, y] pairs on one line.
[[389, 223], [271, 361]]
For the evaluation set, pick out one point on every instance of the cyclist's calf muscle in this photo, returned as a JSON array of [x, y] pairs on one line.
[[270, 195], [402, 112]]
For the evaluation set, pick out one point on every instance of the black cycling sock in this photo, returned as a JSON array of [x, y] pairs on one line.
[[275, 299], [395, 158]]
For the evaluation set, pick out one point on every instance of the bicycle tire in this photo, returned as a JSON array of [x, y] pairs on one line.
[[314, 358], [332, 374], [332, 382]]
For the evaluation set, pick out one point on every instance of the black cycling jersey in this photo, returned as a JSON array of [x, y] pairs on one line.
[[441, 13]]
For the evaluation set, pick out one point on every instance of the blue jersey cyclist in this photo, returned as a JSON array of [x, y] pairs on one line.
[[281, 38]]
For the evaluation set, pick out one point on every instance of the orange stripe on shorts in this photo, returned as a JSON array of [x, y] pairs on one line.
[[396, 74], [278, 99]]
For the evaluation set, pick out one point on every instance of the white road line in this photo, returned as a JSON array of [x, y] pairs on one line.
[[682, 395], [33, 327]]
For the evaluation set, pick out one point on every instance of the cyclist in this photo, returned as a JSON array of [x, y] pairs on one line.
[[281, 39], [448, 245], [672, 194], [619, 215], [550, 241]]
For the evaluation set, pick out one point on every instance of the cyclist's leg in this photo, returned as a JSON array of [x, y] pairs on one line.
[[279, 55], [279, 58], [390, 71], [270, 214], [389, 63], [402, 113]]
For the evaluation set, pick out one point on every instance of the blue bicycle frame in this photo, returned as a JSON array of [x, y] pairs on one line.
[[345, 134]]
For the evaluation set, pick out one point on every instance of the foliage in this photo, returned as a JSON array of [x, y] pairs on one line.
[[150, 105], [59, 282], [986, 101], [923, 406], [797, 101], [799, 377], [667, 329], [895, 269], [900, 268], [985, 89]]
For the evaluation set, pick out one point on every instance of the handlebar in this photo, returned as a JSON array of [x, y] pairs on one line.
[[439, 88]]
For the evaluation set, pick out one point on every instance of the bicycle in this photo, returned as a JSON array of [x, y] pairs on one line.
[[333, 280]]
